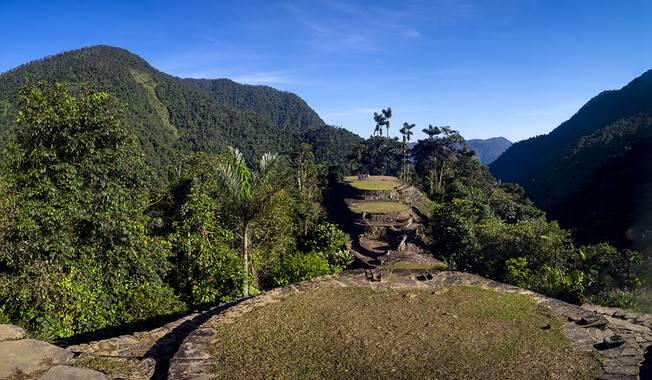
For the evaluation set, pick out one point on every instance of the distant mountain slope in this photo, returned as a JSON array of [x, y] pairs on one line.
[[284, 109], [490, 149], [171, 116], [588, 171]]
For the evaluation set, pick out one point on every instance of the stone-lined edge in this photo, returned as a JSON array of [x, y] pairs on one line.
[[193, 359]]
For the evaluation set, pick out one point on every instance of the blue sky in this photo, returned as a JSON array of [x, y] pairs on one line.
[[488, 68]]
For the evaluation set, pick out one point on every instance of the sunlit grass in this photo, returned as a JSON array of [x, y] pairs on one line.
[[454, 333], [418, 266], [373, 183], [378, 207]]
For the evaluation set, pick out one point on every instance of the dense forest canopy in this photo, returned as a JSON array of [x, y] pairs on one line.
[[172, 116], [88, 242]]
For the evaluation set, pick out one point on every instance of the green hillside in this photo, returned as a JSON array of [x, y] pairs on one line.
[[488, 150], [284, 109], [172, 116], [587, 171]]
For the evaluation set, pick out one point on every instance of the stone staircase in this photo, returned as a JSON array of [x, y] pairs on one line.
[[388, 237]]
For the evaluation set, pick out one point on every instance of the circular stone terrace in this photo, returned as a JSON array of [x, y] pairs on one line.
[[407, 324]]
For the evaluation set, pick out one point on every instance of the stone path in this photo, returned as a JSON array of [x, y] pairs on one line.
[[147, 354], [586, 329], [143, 355]]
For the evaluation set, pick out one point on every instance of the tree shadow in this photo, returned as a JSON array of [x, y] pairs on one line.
[[124, 329], [167, 346], [645, 369]]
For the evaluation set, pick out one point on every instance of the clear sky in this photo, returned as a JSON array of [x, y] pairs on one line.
[[488, 68]]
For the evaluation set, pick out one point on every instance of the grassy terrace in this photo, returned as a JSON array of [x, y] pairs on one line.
[[378, 207], [378, 183], [359, 332], [418, 266]]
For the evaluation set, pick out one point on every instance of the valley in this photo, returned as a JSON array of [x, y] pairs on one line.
[[154, 226]]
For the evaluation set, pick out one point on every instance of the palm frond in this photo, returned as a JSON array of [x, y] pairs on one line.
[[234, 174]]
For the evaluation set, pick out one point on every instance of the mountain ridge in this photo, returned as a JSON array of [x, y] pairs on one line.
[[586, 171], [172, 116], [488, 150]]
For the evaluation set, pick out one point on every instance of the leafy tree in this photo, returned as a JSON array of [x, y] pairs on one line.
[[250, 193], [207, 266], [438, 155], [431, 131], [382, 156], [76, 255], [308, 182]]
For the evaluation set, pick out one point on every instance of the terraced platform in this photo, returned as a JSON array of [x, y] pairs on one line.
[[387, 222]]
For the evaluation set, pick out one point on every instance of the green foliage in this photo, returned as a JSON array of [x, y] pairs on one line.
[[300, 266], [76, 254], [492, 229], [284, 109], [328, 239], [591, 171], [377, 156], [172, 117], [207, 267]]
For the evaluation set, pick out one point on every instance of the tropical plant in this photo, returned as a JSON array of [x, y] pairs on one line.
[[407, 133], [250, 193], [76, 254], [387, 114], [380, 122], [431, 131]]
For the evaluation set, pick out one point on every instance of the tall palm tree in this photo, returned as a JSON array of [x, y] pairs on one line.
[[407, 133], [387, 114], [432, 131], [250, 193], [380, 121]]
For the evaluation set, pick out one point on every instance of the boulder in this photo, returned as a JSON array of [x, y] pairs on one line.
[[66, 372], [11, 332], [29, 355]]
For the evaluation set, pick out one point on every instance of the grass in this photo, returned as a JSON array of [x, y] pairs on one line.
[[146, 80], [373, 183], [457, 332], [378, 207], [418, 266], [113, 366]]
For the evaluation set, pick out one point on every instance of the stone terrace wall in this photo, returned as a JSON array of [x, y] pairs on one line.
[[586, 329]]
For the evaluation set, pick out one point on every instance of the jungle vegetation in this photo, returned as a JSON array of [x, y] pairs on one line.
[[127, 194]]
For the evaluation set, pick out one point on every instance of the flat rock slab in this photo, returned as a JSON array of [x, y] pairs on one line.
[[66, 372], [11, 332], [29, 355]]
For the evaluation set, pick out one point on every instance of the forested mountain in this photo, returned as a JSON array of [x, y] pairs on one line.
[[591, 172], [488, 150], [284, 109], [171, 116]]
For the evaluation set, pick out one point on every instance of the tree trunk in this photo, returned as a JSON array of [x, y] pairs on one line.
[[441, 175], [245, 258]]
